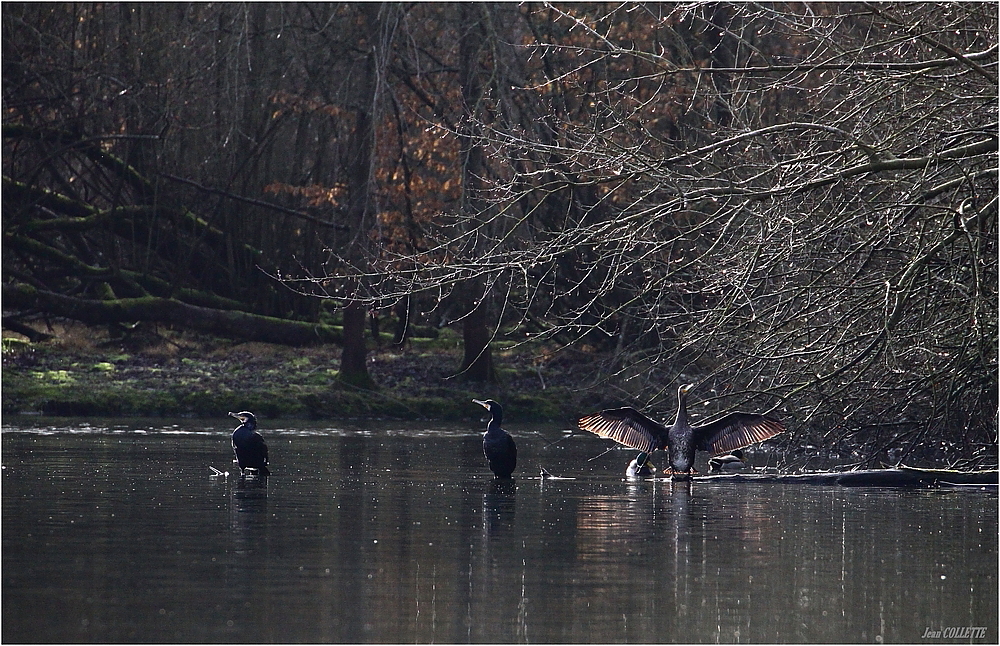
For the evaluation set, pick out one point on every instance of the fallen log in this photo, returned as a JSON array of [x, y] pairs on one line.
[[229, 323], [14, 325], [899, 477]]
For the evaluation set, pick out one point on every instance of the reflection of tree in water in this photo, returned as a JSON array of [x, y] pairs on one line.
[[345, 615], [497, 569], [624, 537], [610, 524]]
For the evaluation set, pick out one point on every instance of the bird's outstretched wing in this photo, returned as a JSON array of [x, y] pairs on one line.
[[626, 426], [735, 431]]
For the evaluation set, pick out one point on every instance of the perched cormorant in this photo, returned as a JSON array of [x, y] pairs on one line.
[[728, 462], [498, 445], [248, 445], [640, 467], [633, 429]]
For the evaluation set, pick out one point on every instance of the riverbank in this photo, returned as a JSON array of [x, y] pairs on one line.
[[84, 372]]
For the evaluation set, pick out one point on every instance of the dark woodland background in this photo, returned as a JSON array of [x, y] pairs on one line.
[[793, 203]]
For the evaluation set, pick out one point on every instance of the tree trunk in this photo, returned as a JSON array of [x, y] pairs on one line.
[[477, 365], [403, 309], [354, 360], [361, 199]]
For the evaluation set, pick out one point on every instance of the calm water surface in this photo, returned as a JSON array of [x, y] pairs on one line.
[[397, 533]]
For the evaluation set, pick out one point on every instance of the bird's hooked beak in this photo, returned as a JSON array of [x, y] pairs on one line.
[[686, 388], [482, 403], [237, 416]]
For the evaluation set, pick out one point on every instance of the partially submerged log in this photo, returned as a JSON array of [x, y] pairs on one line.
[[899, 477]]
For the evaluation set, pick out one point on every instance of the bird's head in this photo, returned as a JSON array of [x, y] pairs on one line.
[[686, 388], [488, 404], [243, 416]]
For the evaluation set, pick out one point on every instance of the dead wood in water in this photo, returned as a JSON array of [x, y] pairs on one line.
[[900, 477]]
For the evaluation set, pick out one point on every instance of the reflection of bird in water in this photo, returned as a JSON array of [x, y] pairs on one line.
[[499, 503], [640, 467], [726, 463], [633, 429], [498, 445], [248, 445]]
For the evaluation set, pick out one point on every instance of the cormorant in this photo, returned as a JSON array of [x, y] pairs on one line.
[[728, 462], [640, 467], [633, 429], [498, 445], [248, 445]]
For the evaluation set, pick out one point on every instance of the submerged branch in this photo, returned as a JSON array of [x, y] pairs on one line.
[[900, 477]]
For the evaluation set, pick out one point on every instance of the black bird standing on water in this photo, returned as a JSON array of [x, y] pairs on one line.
[[498, 445], [248, 445], [633, 429]]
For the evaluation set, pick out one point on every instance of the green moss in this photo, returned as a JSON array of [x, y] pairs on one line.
[[55, 376], [12, 345], [324, 378], [203, 376], [357, 380], [538, 407]]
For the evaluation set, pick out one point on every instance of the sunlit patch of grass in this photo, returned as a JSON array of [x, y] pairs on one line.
[[12, 345], [54, 376]]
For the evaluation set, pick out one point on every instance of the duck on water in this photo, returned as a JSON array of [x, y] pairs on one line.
[[640, 467], [681, 440], [727, 463]]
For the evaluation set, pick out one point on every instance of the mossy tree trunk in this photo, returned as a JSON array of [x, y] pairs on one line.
[[229, 323]]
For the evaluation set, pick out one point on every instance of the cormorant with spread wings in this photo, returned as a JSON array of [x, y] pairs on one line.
[[633, 429]]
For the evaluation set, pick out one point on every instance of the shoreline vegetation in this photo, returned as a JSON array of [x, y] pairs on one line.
[[163, 373], [155, 371]]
